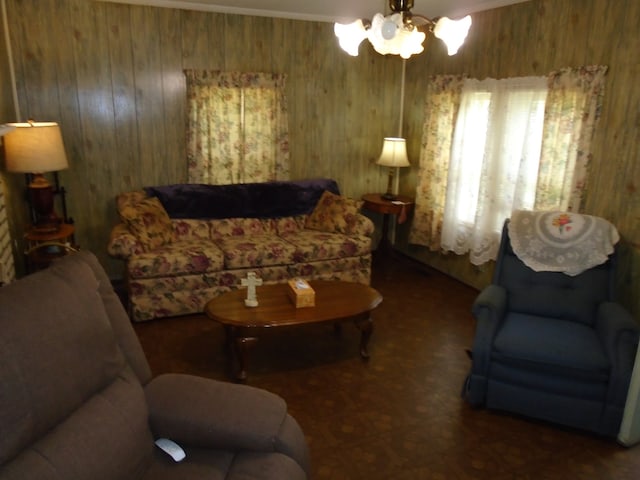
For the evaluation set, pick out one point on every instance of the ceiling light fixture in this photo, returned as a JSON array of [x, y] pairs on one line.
[[401, 32]]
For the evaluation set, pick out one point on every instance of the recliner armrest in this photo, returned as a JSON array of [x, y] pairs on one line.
[[612, 322], [618, 332], [494, 299], [201, 412], [489, 309]]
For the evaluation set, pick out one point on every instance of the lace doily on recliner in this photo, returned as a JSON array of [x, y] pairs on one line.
[[561, 241]]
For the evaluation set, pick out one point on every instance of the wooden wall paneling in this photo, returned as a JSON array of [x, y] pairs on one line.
[[96, 134], [42, 99], [522, 61], [601, 19], [19, 33], [149, 95], [174, 91], [127, 169], [301, 102], [124, 99], [61, 55], [320, 113], [283, 57], [252, 43], [196, 42], [330, 97]]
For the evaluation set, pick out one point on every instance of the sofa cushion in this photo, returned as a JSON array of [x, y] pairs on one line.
[[334, 213], [312, 245], [178, 258], [287, 225], [149, 222], [256, 251], [231, 227], [191, 229]]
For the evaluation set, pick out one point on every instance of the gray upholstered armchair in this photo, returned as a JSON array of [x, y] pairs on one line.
[[78, 400], [552, 345]]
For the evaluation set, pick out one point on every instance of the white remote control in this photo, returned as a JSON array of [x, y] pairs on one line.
[[172, 448]]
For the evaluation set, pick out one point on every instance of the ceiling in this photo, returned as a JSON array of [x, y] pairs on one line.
[[326, 10]]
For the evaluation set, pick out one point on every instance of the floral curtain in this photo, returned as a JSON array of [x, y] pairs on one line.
[[441, 108], [574, 103], [237, 127], [572, 107]]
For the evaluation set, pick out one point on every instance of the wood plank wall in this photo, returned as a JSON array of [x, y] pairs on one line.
[[111, 74]]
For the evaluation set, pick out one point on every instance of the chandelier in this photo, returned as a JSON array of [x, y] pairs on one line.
[[401, 32]]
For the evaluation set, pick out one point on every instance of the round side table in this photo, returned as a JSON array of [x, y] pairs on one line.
[[399, 206], [43, 247]]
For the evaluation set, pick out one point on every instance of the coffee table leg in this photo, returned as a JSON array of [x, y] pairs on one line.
[[242, 345], [365, 326]]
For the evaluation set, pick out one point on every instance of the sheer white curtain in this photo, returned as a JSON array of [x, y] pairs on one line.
[[494, 162]]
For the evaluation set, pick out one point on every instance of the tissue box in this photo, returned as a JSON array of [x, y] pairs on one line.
[[301, 293]]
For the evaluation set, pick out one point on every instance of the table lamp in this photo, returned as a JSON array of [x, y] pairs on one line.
[[35, 148], [393, 155]]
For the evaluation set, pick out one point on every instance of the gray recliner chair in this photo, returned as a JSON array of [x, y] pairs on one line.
[[78, 400], [552, 346]]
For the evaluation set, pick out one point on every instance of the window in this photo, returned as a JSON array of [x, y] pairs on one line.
[[237, 127], [494, 146], [494, 160]]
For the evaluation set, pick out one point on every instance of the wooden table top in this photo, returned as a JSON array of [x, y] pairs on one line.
[[335, 300]]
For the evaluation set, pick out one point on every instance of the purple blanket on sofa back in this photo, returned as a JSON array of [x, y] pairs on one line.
[[247, 200]]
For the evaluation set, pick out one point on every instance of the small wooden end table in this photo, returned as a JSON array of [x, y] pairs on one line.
[[43, 247], [400, 206], [335, 301]]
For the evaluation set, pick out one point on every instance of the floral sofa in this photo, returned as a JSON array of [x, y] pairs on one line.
[[184, 244]]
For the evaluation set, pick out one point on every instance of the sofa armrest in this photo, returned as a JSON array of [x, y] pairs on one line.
[[200, 412], [363, 226], [122, 243]]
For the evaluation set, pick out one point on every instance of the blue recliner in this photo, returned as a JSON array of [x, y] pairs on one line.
[[552, 346]]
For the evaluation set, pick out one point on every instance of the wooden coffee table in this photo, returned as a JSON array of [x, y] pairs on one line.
[[335, 301]]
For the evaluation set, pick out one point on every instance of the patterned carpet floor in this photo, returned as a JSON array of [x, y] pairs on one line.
[[400, 414]]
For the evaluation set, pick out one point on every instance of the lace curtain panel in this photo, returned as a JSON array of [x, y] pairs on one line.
[[502, 145], [237, 127]]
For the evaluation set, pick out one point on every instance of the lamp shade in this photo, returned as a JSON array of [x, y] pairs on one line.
[[452, 32], [35, 147], [394, 153], [350, 36]]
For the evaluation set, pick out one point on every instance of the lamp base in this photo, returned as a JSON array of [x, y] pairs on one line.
[[389, 195], [41, 200]]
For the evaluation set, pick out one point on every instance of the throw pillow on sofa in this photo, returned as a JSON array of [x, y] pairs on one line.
[[334, 213], [149, 222]]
